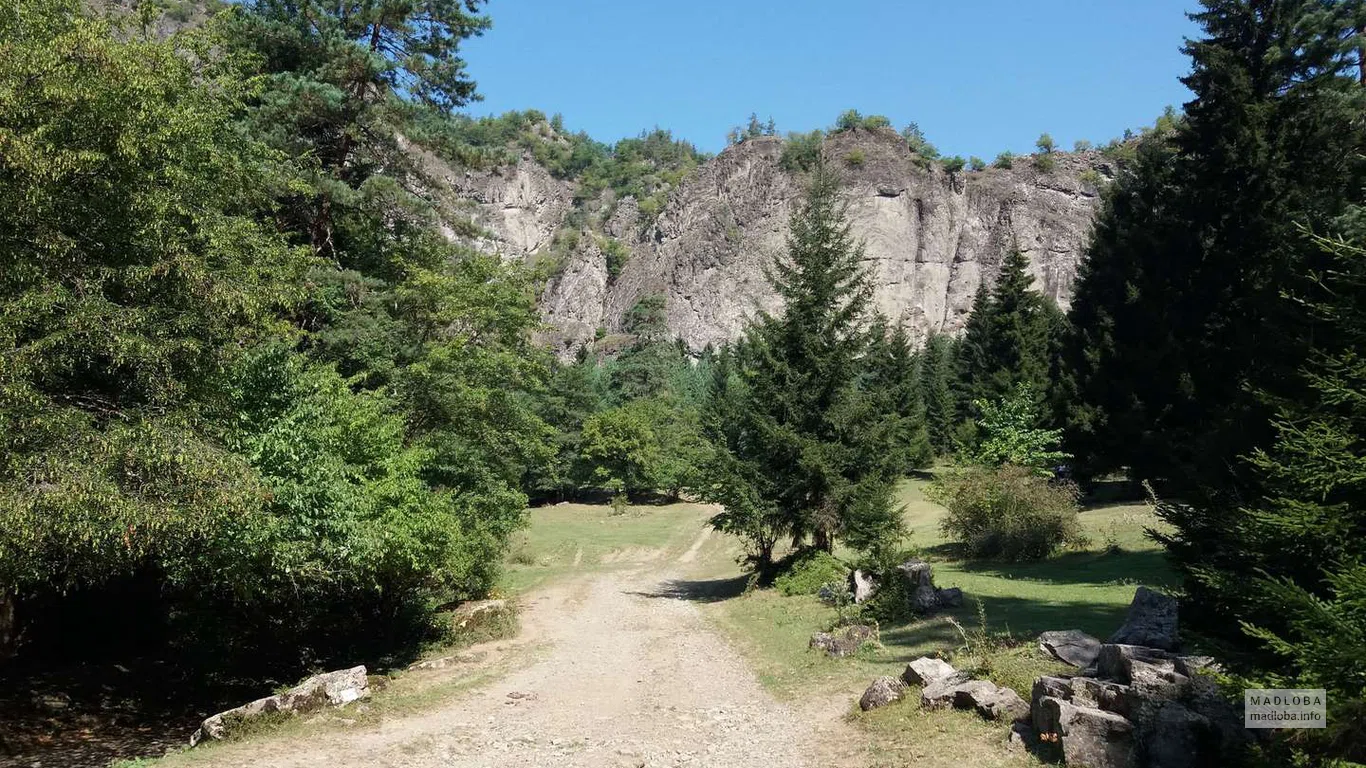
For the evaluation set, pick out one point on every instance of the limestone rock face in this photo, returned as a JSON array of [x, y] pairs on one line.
[[930, 237]]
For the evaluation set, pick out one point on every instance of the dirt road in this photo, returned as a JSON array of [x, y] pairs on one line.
[[631, 675]]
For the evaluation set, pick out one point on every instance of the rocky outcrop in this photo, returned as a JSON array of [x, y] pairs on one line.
[[930, 237], [333, 689], [923, 596]]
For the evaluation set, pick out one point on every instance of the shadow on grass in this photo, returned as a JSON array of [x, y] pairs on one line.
[[1147, 566], [1023, 618], [699, 591]]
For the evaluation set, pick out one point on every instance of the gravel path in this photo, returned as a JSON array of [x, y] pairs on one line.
[[633, 677]]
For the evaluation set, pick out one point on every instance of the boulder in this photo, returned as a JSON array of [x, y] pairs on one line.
[[919, 577], [1089, 737], [1157, 679], [330, 689], [926, 671], [882, 692], [1114, 660], [845, 641], [992, 702], [865, 586], [1070, 646], [1123, 700], [1151, 622], [1176, 737], [941, 693], [951, 597]]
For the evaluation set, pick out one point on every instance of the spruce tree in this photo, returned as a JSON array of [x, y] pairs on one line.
[[803, 449], [936, 386], [1184, 342], [894, 378], [1009, 340]]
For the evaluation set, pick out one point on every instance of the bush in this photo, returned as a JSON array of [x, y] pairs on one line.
[[855, 159], [808, 571], [1045, 144], [1005, 160], [1045, 163], [954, 164], [976, 163], [801, 151], [1007, 512]]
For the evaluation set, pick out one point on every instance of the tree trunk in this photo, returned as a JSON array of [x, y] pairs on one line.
[[9, 627]]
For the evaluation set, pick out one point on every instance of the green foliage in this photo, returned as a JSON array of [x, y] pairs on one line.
[[855, 158], [802, 449], [937, 371], [1292, 567], [1183, 330], [893, 383], [132, 271], [1092, 178], [752, 130], [1010, 338], [1005, 160], [1045, 144], [976, 163], [852, 119], [1007, 512], [1008, 434], [1045, 163], [915, 139], [616, 253], [1082, 145], [801, 151], [810, 570], [954, 164]]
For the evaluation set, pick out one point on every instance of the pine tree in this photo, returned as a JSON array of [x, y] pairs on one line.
[[802, 449]]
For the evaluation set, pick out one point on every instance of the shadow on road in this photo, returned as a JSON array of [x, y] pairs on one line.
[[698, 590]]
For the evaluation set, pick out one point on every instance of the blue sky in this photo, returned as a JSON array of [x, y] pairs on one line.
[[979, 76]]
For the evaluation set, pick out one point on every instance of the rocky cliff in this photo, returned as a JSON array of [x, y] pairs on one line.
[[930, 237]]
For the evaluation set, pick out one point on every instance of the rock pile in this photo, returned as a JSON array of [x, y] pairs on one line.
[[942, 687], [1133, 704], [331, 689], [1129, 706]]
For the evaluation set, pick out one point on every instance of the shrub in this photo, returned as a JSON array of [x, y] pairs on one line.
[[1045, 163], [1007, 512], [1005, 160], [808, 571], [852, 118], [801, 151], [976, 163], [855, 159], [617, 255], [1081, 145], [1045, 144], [954, 164], [1092, 177]]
